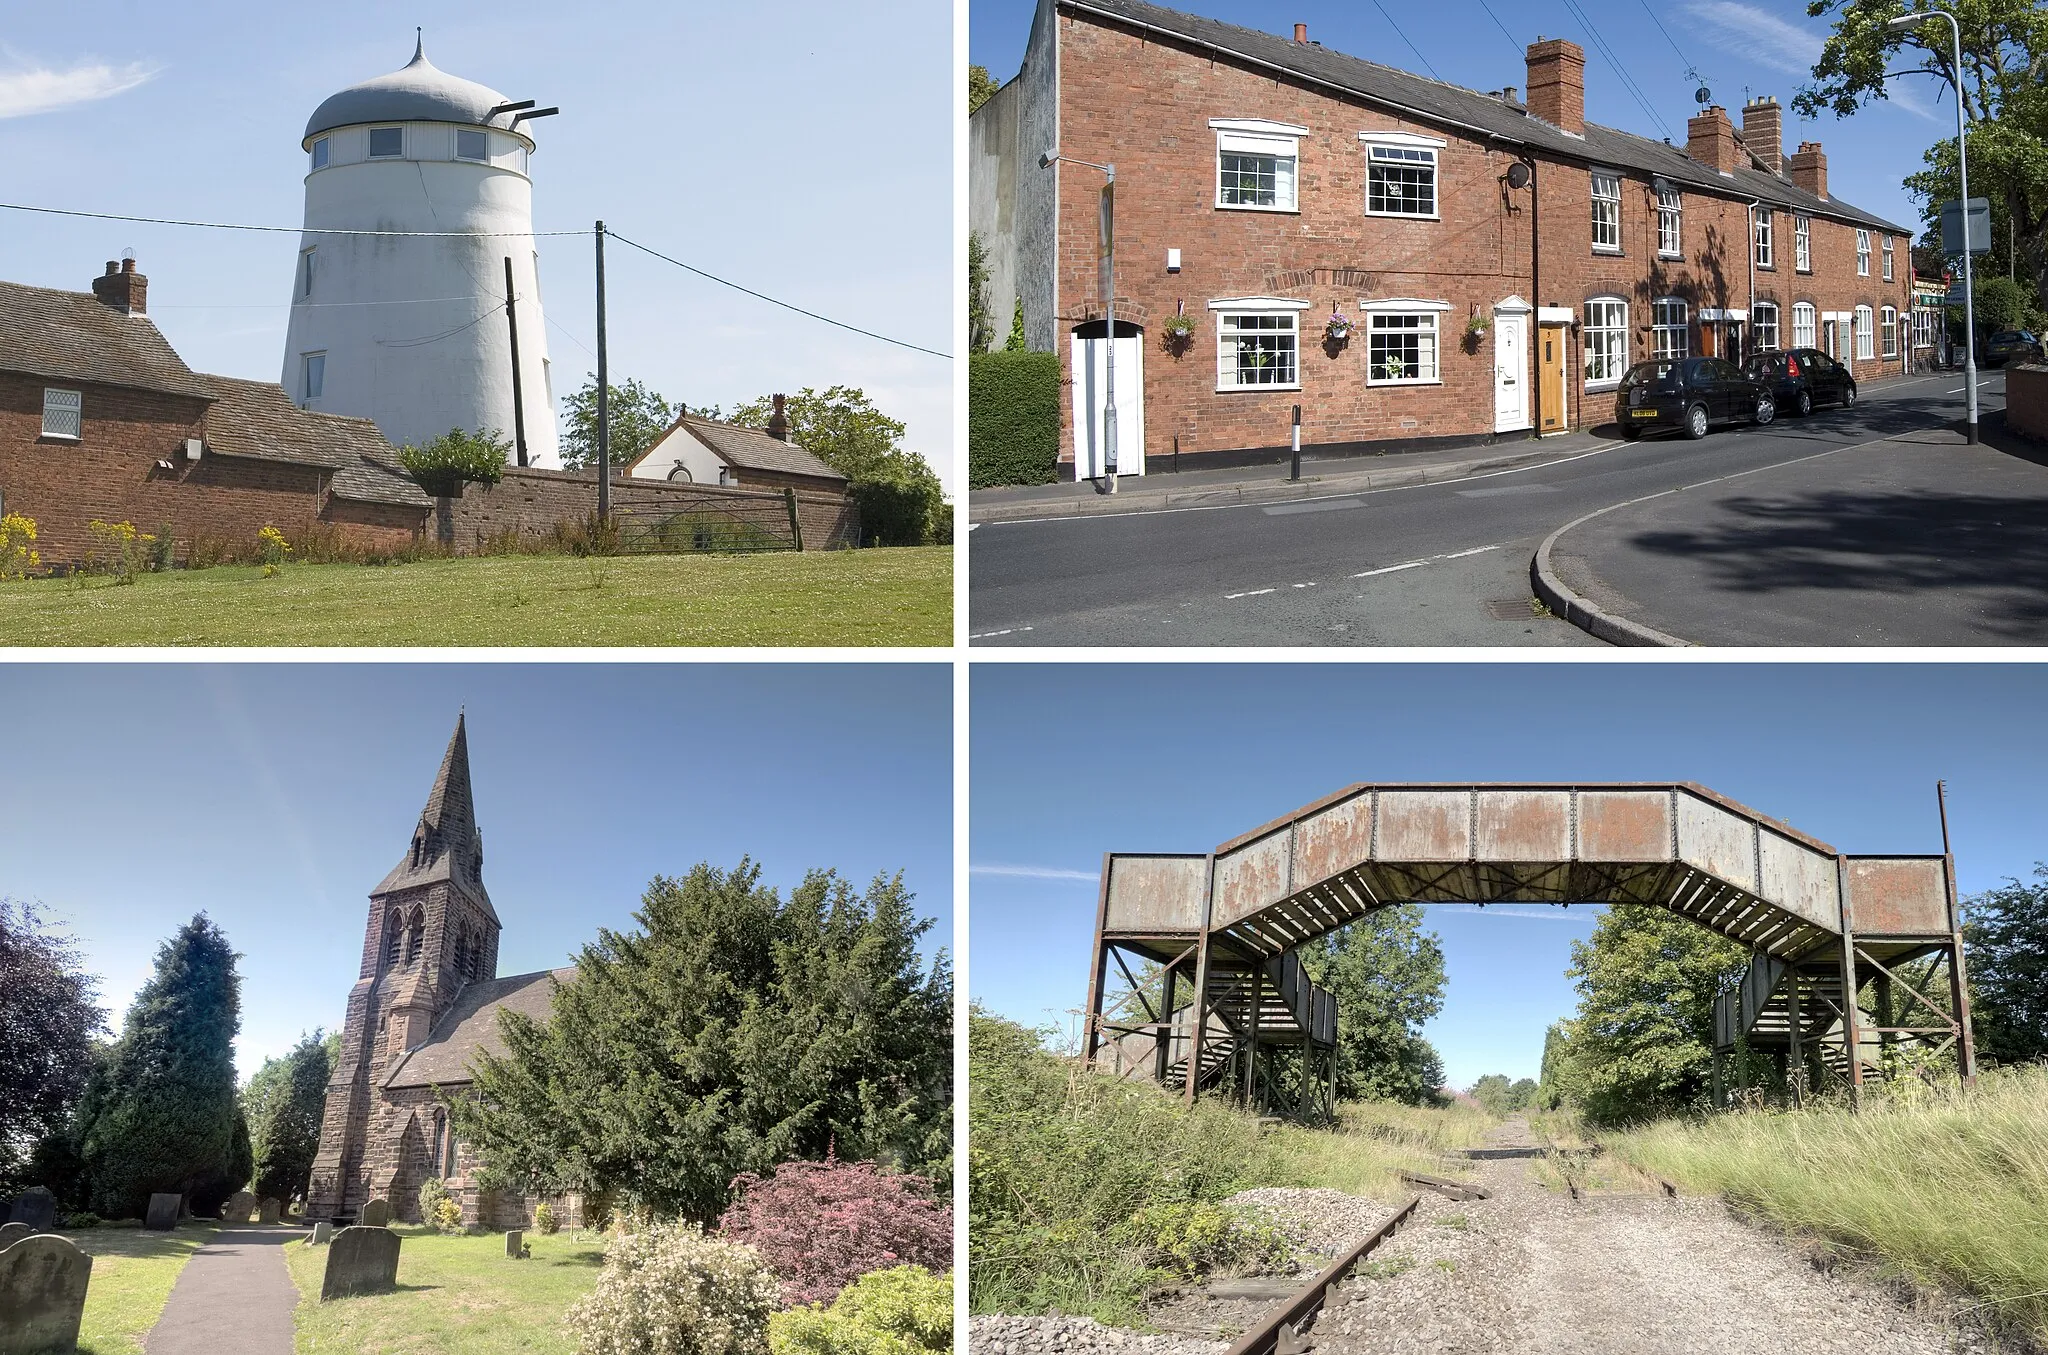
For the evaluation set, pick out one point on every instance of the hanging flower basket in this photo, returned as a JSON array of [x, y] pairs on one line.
[[1176, 332], [1339, 328], [1478, 325]]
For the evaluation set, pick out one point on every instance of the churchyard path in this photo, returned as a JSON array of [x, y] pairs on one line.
[[234, 1297]]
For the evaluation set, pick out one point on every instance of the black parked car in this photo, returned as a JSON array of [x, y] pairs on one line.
[[1801, 378], [2009, 345], [1689, 393]]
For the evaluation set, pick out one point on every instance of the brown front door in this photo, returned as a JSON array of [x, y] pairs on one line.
[[1550, 375]]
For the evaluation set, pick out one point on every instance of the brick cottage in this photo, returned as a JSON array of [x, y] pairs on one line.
[[1409, 262]]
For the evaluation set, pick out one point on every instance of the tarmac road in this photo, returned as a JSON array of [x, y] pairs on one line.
[[1439, 564]]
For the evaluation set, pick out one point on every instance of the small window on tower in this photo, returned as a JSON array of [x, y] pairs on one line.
[[471, 146], [316, 375], [386, 141], [305, 272], [320, 153]]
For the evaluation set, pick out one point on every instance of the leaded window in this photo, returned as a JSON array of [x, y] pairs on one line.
[[1400, 181], [1401, 348]]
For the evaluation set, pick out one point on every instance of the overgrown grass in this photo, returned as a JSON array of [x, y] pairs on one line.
[[456, 1295], [868, 597], [1948, 1187], [1372, 1143], [132, 1275]]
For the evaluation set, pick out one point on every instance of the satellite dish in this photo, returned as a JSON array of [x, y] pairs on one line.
[[1703, 96], [1518, 175]]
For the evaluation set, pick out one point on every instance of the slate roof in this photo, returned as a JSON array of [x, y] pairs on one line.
[[472, 1025], [751, 449], [1468, 110], [74, 336], [256, 419]]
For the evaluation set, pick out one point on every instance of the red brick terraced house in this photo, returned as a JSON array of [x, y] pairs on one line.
[[1410, 262], [101, 419]]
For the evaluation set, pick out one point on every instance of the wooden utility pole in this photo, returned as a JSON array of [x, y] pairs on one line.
[[604, 427], [518, 402]]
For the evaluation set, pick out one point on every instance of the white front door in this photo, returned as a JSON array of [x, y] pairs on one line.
[[1510, 371], [1827, 344], [1091, 395]]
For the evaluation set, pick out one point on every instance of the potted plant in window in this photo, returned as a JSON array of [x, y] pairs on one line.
[[1176, 333], [1393, 367]]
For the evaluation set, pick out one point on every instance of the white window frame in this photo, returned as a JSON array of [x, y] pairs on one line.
[[1617, 334], [1862, 253], [1805, 325], [1259, 136], [1660, 327], [1763, 238], [1888, 320], [1757, 326], [1887, 258], [310, 363], [1613, 176], [1407, 307], [1923, 327], [63, 414], [399, 154], [1411, 145], [1866, 339], [320, 152], [1802, 243], [1224, 310], [1671, 212], [485, 157]]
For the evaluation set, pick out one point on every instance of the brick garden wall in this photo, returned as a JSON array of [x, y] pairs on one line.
[[1145, 106], [2026, 401], [530, 502]]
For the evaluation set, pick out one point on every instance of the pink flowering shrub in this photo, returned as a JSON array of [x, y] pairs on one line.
[[822, 1225]]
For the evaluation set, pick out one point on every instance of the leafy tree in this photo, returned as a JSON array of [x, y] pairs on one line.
[[981, 87], [443, 464], [211, 1192], [1522, 1095], [980, 328], [1493, 1093], [732, 1031], [638, 417], [1642, 1042], [284, 1103], [1387, 975], [1015, 343], [2005, 101], [159, 1114], [2001, 304], [901, 500], [2005, 934], [48, 1021]]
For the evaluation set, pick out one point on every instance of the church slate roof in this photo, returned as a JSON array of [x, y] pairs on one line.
[[256, 419], [472, 1025], [1468, 109], [74, 336]]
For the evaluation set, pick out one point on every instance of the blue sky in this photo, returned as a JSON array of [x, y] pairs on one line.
[[276, 796], [1072, 761], [1767, 48], [754, 141]]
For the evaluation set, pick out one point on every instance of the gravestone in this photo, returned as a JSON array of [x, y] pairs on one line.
[[267, 1212], [36, 1207], [321, 1232], [360, 1260], [11, 1233], [515, 1244], [240, 1205], [42, 1294], [163, 1212], [376, 1214]]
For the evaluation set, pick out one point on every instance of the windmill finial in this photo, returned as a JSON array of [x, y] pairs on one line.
[[419, 44]]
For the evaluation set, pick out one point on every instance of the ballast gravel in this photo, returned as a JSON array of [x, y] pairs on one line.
[[1057, 1333], [1321, 1221]]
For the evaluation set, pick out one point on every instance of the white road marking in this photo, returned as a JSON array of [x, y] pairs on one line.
[[1256, 592], [1476, 550], [1412, 564], [1960, 389], [992, 634]]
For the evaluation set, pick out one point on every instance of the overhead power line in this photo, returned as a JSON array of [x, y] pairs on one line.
[[1404, 37], [1614, 63], [763, 296], [1520, 50], [287, 230]]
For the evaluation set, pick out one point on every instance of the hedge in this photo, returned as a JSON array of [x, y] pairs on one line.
[[1013, 419]]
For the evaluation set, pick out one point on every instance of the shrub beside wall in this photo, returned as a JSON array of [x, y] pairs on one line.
[[1013, 419]]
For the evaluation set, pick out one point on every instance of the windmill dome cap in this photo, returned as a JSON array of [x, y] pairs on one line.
[[421, 92]]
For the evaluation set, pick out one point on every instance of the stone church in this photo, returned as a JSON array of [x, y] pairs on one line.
[[427, 1001]]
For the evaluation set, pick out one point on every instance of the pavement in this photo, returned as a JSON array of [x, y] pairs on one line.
[[1442, 562], [234, 1297]]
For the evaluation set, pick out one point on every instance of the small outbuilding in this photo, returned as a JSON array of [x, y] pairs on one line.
[[703, 451]]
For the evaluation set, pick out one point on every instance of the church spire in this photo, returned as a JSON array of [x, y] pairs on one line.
[[450, 806], [446, 845]]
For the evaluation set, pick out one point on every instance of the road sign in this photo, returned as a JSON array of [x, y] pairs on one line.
[[1955, 296], [1952, 226]]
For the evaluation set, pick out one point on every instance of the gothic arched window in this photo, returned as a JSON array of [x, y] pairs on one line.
[[391, 941], [415, 936]]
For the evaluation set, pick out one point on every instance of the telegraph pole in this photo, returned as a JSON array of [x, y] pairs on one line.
[[518, 404], [604, 412]]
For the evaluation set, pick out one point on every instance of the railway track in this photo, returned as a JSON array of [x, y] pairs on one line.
[[1281, 1330]]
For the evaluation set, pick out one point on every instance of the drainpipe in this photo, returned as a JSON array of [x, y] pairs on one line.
[[1535, 330]]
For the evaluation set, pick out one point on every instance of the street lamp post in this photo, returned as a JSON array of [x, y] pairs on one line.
[[1105, 225], [1899, 25]]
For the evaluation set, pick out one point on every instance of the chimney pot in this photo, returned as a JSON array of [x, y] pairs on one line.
[[1507, 93], [1763, 132], [122, 288], [127, 265], [1301, 33], [1557, 84], [1808, 169], [778, 421], [113, 267], [1710, 140]]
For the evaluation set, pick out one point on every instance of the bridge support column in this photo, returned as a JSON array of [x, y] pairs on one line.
[[1958, 980], [1250, 1091], [1852, 1028], [1795, 1052], [1091, 1031], [1720, 1084], [1201, 1006]]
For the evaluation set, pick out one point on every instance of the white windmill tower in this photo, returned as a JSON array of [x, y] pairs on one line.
[[414, 331]]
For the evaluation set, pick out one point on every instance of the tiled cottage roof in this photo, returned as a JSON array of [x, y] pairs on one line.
[[472, 1025], [74, 336], [1467, 110], [256, 419], [751, 449]]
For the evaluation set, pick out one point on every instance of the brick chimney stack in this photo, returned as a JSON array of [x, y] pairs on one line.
[[778, 422], [121, 287], [1557, 84], [1808, 169], [1710, 140], [1301, 34], [1763, 132]]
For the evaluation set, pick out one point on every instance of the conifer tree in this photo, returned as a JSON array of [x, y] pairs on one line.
[[159, 1114]]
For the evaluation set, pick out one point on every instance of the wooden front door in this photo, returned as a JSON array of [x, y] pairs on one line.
[[1550, 376]]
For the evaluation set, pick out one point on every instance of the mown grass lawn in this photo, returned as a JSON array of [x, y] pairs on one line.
[[869, 597], [132, 1275], [456, 1295]]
